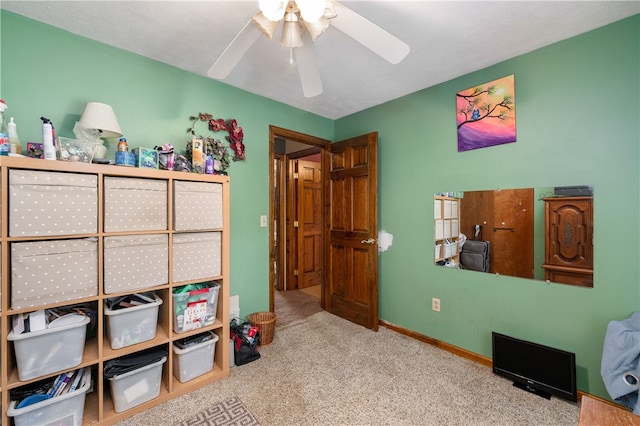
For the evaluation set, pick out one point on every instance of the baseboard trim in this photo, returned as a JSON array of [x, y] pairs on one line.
[[480, 359]]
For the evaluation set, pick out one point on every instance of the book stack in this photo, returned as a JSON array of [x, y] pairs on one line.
[[52, 387], [70, 381]]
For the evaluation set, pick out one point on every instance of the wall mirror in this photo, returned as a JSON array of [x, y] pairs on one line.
[[543, 233]]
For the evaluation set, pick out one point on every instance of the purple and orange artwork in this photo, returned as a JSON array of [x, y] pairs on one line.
[[486, 114]]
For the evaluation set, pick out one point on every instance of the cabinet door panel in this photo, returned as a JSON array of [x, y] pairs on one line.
[[570, 234]]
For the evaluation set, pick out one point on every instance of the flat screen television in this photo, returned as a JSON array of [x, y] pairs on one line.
[[536, 368]]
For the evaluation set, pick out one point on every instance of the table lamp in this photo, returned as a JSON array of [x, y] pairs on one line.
[[100, 118]]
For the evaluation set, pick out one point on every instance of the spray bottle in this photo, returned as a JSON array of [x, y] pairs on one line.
[[47, 139], [14, 141], [4, 137]]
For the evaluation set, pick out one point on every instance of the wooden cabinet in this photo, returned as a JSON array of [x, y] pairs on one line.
[[98, 210], [446, 214], [596, 412], [569, 240]]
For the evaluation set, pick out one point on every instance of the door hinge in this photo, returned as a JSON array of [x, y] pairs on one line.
[[295, 175], [295, 223], [295, 272]]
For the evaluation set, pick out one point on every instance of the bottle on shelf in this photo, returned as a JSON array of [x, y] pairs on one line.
[[209, 165], [4, 136], [14, 141], [47, 139], [122, 145]]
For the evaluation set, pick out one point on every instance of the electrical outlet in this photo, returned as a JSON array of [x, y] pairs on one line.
[[435, 304]]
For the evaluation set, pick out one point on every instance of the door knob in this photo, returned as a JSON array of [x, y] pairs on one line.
[[369, 241]]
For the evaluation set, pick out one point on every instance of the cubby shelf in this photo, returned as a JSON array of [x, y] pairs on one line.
[[446, 228], [99, 406]]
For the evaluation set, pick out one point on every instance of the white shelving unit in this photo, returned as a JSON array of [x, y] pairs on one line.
[[446, 215]]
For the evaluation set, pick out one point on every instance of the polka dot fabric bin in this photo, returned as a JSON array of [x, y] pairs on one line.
[[133, 262], [196, 255], [197, 206], [44, 272], [51, 203], [132, 204]]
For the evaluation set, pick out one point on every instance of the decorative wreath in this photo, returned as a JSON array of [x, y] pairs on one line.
[[213, 146]]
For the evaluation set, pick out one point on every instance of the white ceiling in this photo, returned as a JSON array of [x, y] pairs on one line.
[[447, 39]]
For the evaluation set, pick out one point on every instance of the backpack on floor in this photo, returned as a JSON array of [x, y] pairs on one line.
[[245, 339]]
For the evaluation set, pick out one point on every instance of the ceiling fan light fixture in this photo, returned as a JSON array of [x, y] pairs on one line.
[[291, 34], [273, 10], [311, 10], [265, 25], [316, 28], [329, 10]]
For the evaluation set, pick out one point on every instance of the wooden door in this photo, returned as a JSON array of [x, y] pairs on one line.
[[309, 205], [512, 236], [505, 218], [351, 192]]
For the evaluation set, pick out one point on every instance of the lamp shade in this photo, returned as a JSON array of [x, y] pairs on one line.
[[291, 35], [291, 31], [311, 10], [101, 117], [266, 26], [273, 9], [316, 28]]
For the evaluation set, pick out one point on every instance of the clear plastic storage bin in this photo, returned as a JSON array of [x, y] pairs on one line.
[[128, 326], [42, 352], [195, 309], [196, 360], [63, 410], [136, 387]]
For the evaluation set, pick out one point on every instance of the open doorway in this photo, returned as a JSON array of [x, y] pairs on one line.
[[348, 217], [296, 214]]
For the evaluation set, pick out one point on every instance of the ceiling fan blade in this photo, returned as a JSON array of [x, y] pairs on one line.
[[234, 52], [308, 68], [369, 34]]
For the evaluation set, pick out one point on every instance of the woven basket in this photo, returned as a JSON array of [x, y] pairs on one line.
[[266, 323]]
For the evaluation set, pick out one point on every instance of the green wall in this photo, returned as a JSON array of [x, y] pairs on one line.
[[577, 112], [577, 118], [53, 73]]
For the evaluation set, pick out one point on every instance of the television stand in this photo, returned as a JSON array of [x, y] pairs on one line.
[[529, 389]]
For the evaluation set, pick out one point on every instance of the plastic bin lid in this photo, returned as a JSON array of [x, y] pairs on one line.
[[33, 399]]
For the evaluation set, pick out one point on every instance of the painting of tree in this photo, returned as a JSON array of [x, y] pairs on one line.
[[486, 114]]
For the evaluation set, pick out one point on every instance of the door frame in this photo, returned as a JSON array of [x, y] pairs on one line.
[[288, 135]]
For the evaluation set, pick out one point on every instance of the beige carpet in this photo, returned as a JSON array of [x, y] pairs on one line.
[[323, 370], [293, 305]]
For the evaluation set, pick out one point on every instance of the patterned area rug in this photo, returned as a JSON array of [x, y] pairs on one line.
[[231, 412]]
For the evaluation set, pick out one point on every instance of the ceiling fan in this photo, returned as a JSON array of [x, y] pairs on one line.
[[303, 22]]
